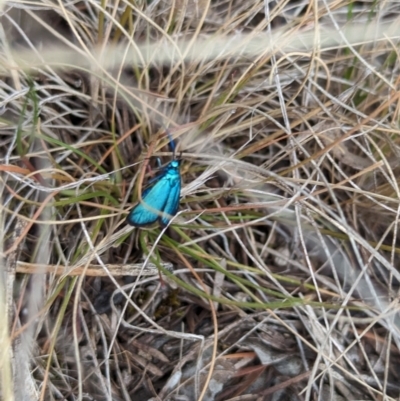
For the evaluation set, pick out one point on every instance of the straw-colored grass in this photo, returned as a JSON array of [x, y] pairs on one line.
[[278, 279]]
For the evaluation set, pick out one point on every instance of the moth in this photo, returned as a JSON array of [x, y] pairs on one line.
[[160, 201]]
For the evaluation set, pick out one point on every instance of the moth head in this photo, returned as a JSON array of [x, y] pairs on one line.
[[175, 163]]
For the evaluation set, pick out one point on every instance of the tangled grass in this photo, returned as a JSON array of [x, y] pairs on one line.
[[278, 279]]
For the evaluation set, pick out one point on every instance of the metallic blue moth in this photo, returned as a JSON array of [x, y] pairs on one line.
[[160, 201]]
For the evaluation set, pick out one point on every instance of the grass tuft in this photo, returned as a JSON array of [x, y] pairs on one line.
[[278, 277]]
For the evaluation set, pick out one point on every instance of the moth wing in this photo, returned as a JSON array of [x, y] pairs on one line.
[[172, 204], [153, 202], [153, 181]]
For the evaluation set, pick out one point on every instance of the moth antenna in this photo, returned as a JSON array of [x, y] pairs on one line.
[[172, 143]]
